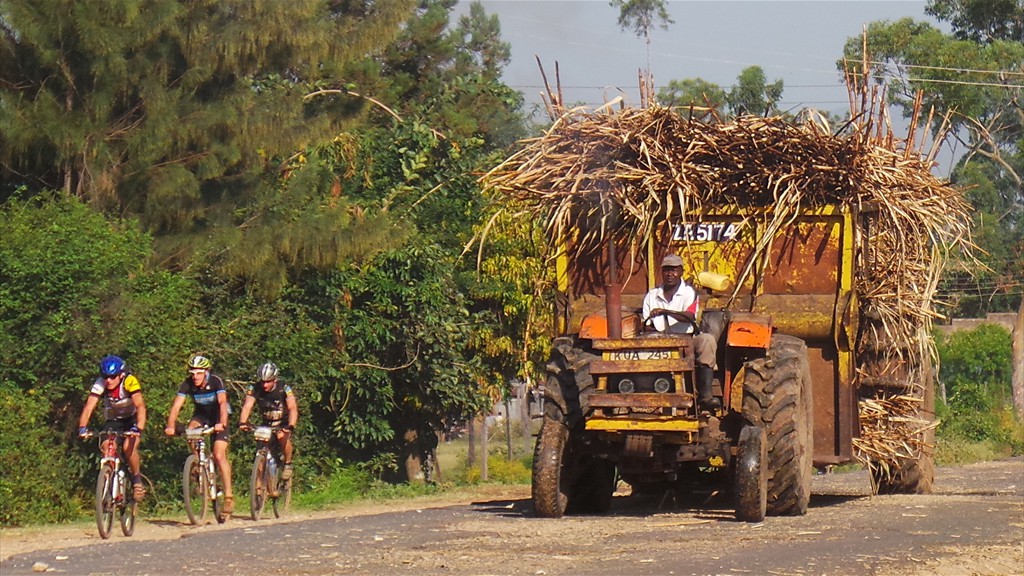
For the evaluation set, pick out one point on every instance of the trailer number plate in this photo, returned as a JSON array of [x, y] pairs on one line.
[[640, 355], [705, 232]]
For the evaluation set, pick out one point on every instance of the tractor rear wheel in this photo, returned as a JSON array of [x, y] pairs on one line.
[[777, 398]]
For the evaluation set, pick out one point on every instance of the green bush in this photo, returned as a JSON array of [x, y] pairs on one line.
[[34, 487], [978, 421]]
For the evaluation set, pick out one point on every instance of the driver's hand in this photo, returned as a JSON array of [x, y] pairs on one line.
[[169, 430], [218, 427]]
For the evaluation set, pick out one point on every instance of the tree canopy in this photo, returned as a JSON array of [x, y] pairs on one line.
[[976, 74]]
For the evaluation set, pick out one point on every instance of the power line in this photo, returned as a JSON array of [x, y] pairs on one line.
[[945, 69]]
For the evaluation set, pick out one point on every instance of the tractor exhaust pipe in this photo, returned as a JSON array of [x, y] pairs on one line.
[[613, 295]]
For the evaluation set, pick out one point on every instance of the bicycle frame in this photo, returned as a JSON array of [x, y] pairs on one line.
[[112, 492], [266, 482], [207, 478]]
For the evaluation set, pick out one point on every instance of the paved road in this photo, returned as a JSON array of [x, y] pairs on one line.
[[846, 532]]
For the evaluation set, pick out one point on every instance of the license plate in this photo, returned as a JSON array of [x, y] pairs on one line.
[[640, 355]]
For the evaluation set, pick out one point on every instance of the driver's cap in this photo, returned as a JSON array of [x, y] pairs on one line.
[[671, 260]]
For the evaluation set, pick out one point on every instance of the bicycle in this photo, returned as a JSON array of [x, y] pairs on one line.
[[200, 478], [113, 485], [266, 482]]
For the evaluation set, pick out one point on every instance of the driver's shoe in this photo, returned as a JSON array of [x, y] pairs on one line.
[[229, 506], [704, 379], [287, 473]]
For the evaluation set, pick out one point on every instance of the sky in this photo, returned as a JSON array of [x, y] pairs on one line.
[[795, 41], [798, 42]]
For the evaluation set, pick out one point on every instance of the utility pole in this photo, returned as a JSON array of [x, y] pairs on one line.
[[1018, 361]]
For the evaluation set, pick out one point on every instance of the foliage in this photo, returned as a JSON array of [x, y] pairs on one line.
[[75, 287], [692, 92], [172, 110], [981, 20], [642, 15], [33, 487], [971, 76], [753, 95], [975, 372]]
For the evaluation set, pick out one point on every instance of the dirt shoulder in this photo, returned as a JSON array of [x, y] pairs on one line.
[[15, 541]]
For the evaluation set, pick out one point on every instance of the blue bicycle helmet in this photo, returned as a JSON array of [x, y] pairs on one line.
[[111, 366]]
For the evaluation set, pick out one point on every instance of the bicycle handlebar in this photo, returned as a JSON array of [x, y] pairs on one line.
[[94, 433], [198, 431]]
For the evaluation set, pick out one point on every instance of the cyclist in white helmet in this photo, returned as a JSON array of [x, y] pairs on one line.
[[278, 407], [210, 401]]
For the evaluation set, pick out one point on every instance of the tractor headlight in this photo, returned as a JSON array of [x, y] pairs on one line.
[[626, 386], [662, 385]]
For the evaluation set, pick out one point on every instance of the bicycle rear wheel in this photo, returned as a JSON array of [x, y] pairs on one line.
[[258, 486], [195, 489], [105, 501], [128, 507]]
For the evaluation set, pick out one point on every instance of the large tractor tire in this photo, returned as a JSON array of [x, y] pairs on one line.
[[555, 465], [569, 371], [777, 399], [551, 483]]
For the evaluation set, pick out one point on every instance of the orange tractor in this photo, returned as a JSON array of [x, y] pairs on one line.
[[621, 401]]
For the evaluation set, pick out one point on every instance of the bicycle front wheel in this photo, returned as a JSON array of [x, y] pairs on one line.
[[216, 494], [105, 501], [128, 507], [283, 502], [195, 489], [258, 486]]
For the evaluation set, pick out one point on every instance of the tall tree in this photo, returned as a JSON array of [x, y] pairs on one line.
[[981, 21], [172, 110], [976, 75], [641, 16], [753, 95], [692, 92]]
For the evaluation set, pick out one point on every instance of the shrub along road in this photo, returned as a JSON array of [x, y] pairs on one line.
[[974, 524]]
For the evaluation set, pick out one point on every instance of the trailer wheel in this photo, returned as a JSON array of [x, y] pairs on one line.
[[550, 486], [750, 482], [777, 398]]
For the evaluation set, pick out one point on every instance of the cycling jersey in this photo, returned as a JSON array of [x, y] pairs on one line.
[[117, 402], [205, 402], [273, 404]]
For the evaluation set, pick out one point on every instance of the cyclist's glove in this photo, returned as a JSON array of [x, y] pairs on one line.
[[134, 430], [290, 428], [83, 432]]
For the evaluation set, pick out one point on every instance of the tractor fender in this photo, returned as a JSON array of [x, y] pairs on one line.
[[749, 334]]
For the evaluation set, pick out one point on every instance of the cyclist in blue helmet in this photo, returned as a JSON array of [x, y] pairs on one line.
[[123, 408]]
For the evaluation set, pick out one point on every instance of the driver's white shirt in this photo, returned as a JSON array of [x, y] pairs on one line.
[[684, 299]]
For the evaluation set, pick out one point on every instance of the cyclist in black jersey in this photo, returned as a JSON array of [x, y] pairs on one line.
[[277, 406], [124, 410], [210, 408]]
